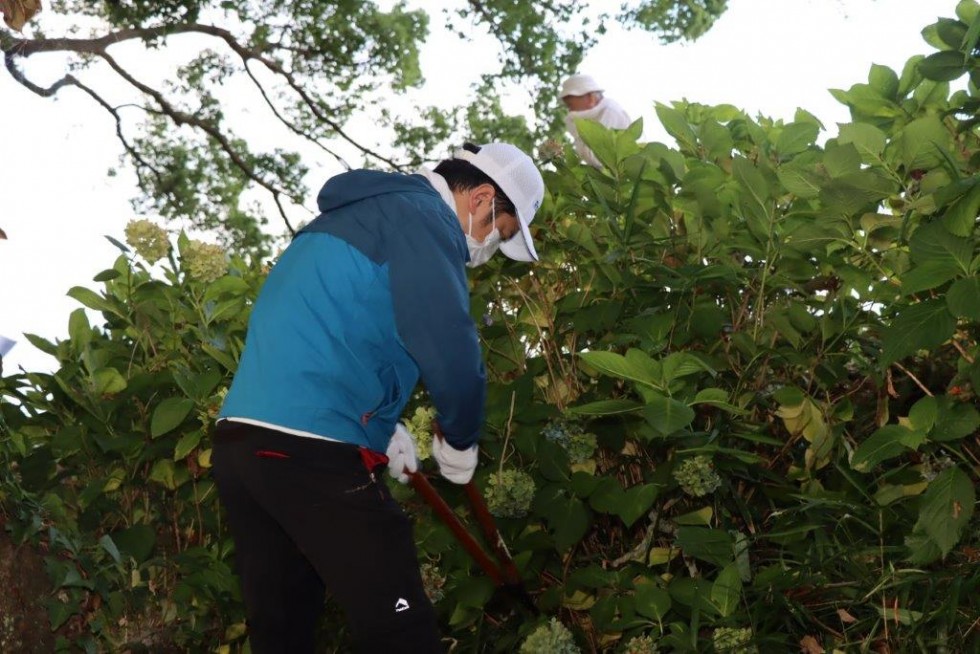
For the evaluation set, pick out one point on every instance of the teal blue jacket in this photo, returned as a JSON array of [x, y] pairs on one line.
[[366, 299]]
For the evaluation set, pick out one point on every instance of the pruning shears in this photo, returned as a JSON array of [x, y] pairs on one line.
[[503, 574]]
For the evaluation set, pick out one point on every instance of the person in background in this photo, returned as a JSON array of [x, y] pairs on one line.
[[367, 299], [584, 99]]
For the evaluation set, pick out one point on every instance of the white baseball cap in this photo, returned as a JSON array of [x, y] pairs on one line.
[[580, 85], [517, 176]]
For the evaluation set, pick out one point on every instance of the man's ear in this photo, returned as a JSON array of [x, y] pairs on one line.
[[480, 196]]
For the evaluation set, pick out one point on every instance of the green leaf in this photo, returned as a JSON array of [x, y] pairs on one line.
[[228, 284], [968, 11], [946, 508], [108, 381], [651, 600], [717, 140], [925, 276], [610, 146], [868, 139], [122, 246], [841, 159], [666, 414], [186, 444], [727, 590], [919, 326], [950, 32], [162, 473], [751, 180], [682, 364], [136, 541], [886, 443], [889, 493], [699, 518], [693, 593], [605, 408], [552, 461], [645, 366], [59, 612], [919, 143], [789, 396], [570, 522], [943, 66], [854, 191], [922, 549], [963, 298], [106, 275], [933, 244], [616, 365], [636, 502], [796, 137], [711, 545], [911, 77], [961, 216], [109, 546], [169, 414], [716, 397], [221, 357], [923, 414], [474, 591], [583, 484], [954, 421], [607, 496], [79, 330], [42, 344], [800, 180], [198, 386], [677, 126], [93, 300], [884, 80]]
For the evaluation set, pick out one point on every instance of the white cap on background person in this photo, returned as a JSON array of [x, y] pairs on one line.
[[580, 85]]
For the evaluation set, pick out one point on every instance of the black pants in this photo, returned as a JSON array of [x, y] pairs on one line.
[[307, 516]]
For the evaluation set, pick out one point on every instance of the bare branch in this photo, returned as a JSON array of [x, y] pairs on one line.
[[17, 47]]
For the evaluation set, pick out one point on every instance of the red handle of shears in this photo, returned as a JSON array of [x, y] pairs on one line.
[[424, 488]]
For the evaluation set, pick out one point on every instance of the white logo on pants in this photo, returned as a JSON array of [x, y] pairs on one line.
[[401, 605]]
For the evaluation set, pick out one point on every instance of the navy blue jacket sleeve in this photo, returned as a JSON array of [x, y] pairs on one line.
[[427, 277]]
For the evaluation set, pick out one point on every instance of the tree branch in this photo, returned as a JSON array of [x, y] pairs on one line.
[[18, 47]]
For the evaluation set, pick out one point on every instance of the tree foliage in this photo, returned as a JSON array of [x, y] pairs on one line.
[[308, 70], [742, 381]]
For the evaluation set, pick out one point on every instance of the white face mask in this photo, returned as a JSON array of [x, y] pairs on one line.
[[480, 252]]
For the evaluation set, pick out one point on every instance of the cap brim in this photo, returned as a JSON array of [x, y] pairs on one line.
[[520, 246]]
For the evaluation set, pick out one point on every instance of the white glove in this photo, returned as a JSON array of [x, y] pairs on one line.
[[401, 454], [455, 465]]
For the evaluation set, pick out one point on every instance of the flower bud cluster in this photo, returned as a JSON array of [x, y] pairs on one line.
[[204, 262], [733, 640], [697, 476], [509, 494], [641, 645], [433, 582], [420, 425], [550, 638], [148, 239], [579, 444]]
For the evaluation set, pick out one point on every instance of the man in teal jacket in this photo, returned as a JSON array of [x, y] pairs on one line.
[[368, 298]]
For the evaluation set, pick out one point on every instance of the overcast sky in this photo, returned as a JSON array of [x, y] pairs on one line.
[[765, 56]]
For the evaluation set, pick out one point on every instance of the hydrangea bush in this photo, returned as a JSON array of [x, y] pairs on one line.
[[735, 404]]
